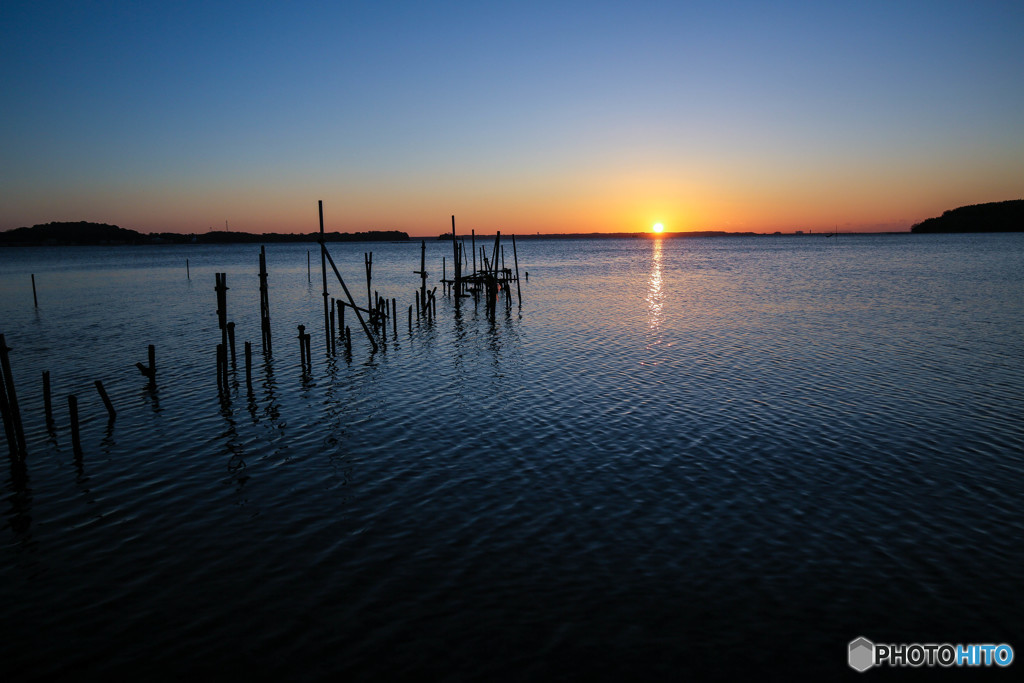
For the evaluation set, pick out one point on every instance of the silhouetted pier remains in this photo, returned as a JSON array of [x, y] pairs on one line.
[[488, 277]]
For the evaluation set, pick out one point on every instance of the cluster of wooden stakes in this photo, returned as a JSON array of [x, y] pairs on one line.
[[489, 280]]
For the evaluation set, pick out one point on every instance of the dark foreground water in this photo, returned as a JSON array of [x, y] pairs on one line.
[[683, 458]]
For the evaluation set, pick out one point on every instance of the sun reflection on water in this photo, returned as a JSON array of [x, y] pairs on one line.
[[655, 294]]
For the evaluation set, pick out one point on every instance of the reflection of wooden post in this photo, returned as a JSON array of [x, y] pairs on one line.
[[106, 400], [331, 336], [47, 398], [248, 364], [76, 439], [231, 341]]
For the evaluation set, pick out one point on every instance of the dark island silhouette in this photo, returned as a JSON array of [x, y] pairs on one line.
[[84, 233], [1005, 216]]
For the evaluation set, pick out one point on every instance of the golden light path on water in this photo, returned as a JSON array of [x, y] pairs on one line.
[[655, 293]]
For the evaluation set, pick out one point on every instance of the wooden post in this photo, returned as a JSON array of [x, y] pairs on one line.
[[152, 363], [106, 400], [264, 302], [418, 307], [76, 438], [457, 276], [11, 400], [47, 398], [222, 306], [368, 264], [188, 273], [348, 341], [472, 234], [423, 273], [302, 347], [515, 258], [34, 298], [394, 318], [323, 272]]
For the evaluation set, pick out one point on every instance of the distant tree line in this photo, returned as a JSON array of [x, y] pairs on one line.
[[83, 232], [1005, 216]]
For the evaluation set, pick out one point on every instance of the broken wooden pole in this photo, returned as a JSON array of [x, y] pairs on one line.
[[106, 400], [76, 437], [12, 411], [35, 299]]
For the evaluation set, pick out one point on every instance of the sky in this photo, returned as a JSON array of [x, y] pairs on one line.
[[522, 117]]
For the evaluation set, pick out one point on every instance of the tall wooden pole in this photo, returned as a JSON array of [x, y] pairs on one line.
[[323, 271]]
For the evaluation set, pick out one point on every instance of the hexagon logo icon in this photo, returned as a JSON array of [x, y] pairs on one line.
[[862, 654]]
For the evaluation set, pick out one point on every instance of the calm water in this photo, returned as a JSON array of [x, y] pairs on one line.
[[725, 456]]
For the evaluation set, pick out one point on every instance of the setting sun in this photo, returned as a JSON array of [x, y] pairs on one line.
[[657, 227]]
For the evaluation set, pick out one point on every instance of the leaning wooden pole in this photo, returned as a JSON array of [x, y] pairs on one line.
[[323, 272], [351, 301]]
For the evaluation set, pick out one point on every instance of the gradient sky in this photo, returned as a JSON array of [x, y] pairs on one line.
[[524, 117]]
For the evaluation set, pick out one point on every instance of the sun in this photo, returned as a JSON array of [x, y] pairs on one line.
[[657, 227]]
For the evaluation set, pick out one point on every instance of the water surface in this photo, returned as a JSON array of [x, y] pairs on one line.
[[759, 446]]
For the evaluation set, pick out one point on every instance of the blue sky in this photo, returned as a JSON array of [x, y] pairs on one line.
[[550, 117]]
